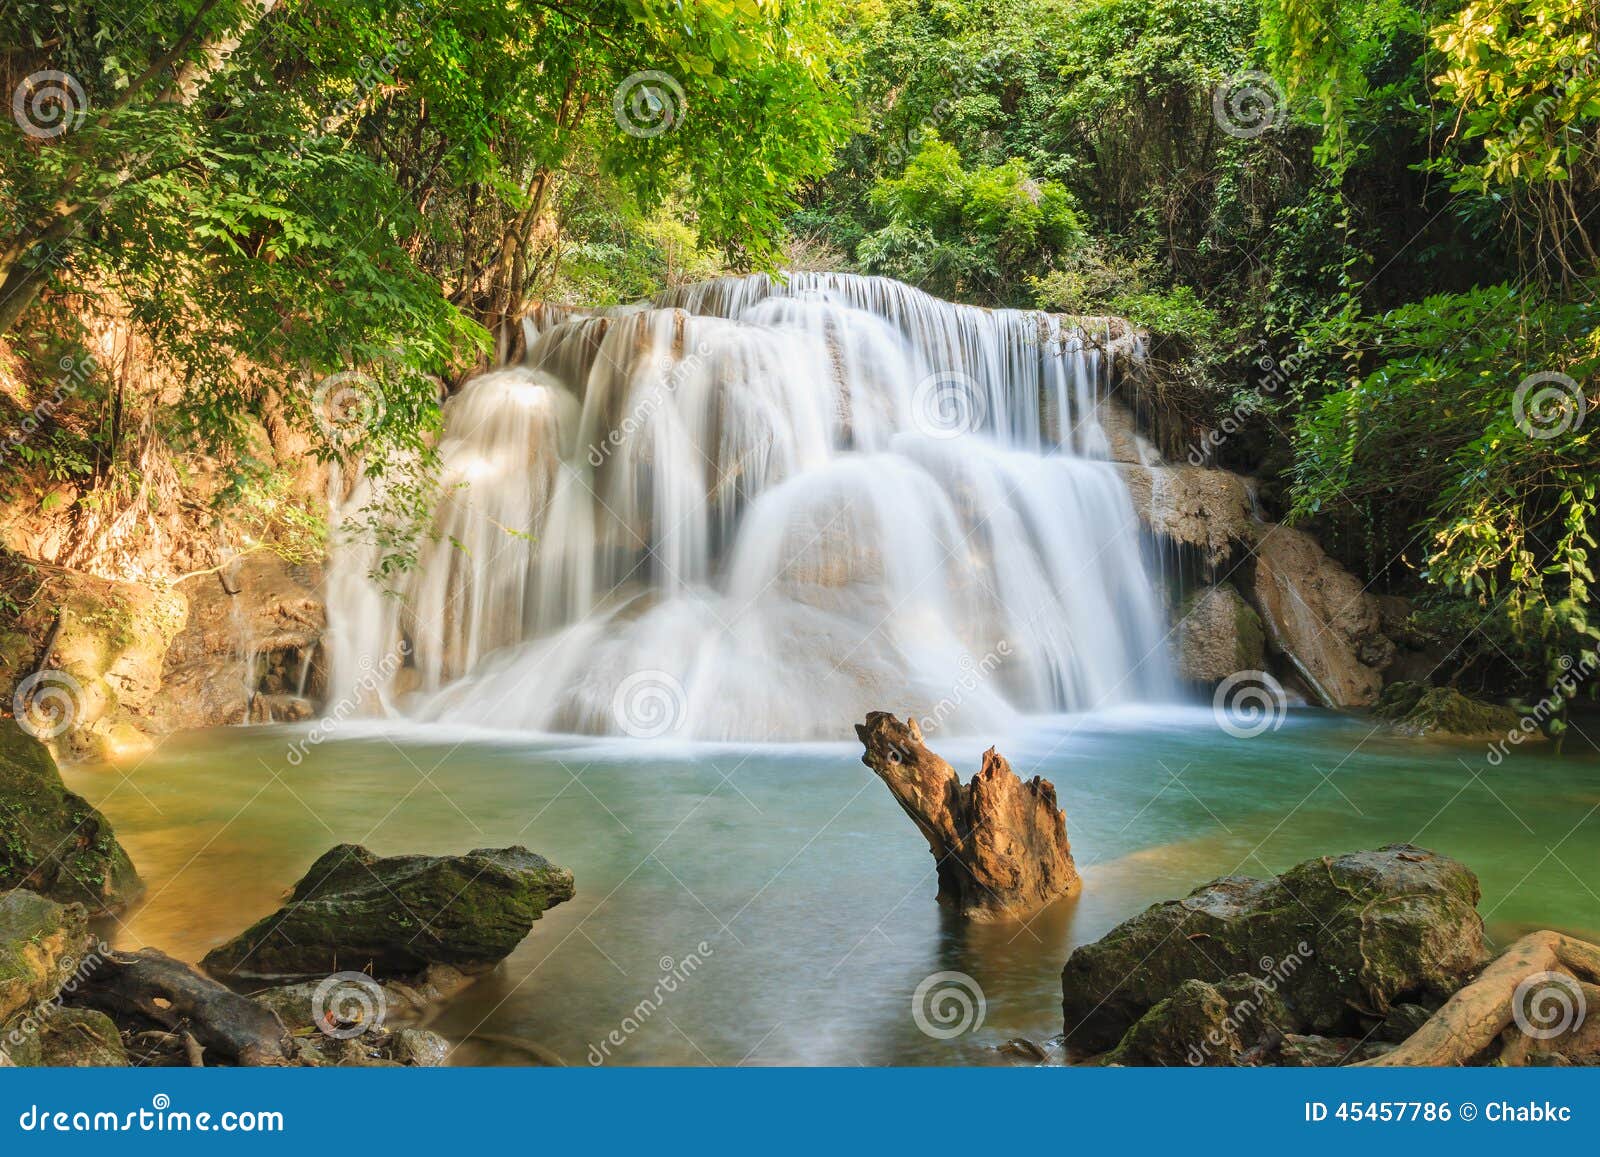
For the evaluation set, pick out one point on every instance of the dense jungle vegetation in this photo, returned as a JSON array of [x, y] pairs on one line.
[[1362, 233]]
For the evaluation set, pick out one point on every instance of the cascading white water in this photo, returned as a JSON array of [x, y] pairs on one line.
[[759, 509]]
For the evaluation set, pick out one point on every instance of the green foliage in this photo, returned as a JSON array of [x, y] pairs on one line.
[[966, 233], [1497, 495]]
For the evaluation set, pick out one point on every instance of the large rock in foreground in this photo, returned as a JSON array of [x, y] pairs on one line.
[[395, 917], [1339, 939], [51, 841], [999, 843]]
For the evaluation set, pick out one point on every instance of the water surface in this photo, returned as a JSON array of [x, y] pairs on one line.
[[808, 888]]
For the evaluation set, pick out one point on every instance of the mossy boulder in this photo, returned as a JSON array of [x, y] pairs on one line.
[[398, 916], [1417, 709], [81, 1038], [42, 944], [1204, 1024], [51, 841], [1340, 939]]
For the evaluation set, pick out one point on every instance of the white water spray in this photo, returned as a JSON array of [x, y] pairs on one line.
[[756, 511]]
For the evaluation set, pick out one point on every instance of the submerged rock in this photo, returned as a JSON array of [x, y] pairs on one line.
[[399, 915], [1340, 939], [51, 841], [1417, 709], [1000, 844]]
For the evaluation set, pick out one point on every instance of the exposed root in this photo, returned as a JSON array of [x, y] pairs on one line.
[[1472, 1020]]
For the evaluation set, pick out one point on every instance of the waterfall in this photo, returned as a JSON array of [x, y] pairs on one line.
[[757, 509]]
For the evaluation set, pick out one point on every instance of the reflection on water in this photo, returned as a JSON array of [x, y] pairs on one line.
[[811, 892]]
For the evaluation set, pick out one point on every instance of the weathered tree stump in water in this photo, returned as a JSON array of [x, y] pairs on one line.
[[1000, 843]]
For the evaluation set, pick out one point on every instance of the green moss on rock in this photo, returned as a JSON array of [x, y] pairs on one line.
[[1417, 709], [51, 841], [41, 945], [1342, 939], [397, 916]]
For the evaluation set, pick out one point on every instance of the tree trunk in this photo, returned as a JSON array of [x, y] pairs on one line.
[[1000, 844]]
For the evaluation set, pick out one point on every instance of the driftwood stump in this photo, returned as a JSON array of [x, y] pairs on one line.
[[1000, 844]]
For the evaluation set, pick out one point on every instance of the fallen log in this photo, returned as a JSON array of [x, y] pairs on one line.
[[1471, 1021], [999, 843], [149, 985]]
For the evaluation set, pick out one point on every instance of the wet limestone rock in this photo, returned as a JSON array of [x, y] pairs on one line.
[[87, 655], [1218, 634], [1210, 511], [395, 917], [1319, 616], [273, 614], [1341, 938], [51, 841], [1417, 709], [42, 943], [1000, 843]]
